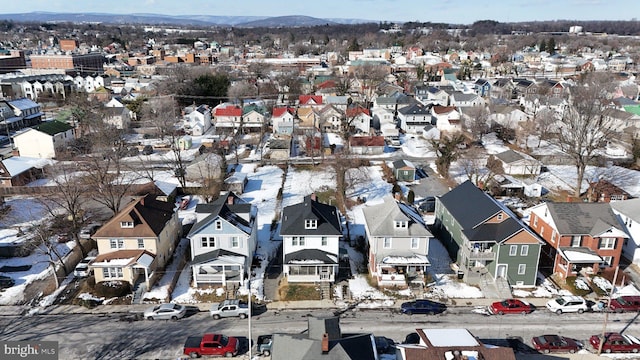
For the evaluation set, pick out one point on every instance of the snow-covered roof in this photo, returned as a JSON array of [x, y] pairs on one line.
[[450, 337], [17, 165], [414, 259], [580, 255]]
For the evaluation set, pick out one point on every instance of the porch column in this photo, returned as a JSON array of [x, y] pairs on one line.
[[194, 273], [146, 278], [224, 276]]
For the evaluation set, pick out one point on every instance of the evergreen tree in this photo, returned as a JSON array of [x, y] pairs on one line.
[[543, 46], [551, 46]]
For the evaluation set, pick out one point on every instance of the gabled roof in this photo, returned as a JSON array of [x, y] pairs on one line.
[[510, 156], [23, 104], [123, 258], [439, 109], [381, 218], [310, 100], [294, 216], [281, 110], [630, 208], [149, 217], [399, 164], [415, 109], [577, 218], [228, 111], [53, 127], [228, 207]]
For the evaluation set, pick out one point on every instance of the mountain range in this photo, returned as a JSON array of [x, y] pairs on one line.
[[193, 20]]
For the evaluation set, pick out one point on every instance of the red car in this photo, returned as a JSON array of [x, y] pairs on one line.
[[510, 306], [616, 342], [625, 303], [555, 343]]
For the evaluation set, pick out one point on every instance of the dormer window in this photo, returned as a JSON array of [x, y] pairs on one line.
[[310, 224], [399, 224], [126, 224]]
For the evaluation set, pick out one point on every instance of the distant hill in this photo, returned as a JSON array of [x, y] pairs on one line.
[[195, 20]]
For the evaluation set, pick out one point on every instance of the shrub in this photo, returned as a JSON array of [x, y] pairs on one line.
[[109, 289], [576, 287]]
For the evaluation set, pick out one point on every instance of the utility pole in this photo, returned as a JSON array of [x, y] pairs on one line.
[[606, 313], [250, 314]]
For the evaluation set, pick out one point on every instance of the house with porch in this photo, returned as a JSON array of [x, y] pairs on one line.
[[486, 240], [282, 120], [311, 233], [146, 225], [223, 241], [398, 243], [580, 238]]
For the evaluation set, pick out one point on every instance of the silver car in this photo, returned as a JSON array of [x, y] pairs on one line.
[[165, 312]]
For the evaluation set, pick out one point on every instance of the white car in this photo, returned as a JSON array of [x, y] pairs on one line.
[[165, 312], [82, 269], [568, 303]]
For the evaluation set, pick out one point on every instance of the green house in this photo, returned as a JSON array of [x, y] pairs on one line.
[[485, 238]]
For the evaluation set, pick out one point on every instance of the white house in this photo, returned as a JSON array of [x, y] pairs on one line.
[[310, 232], [517, 163], [448, 118], [197, 119], [43, 140], [628, 214]]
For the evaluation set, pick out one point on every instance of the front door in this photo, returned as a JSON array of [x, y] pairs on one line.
[[502, 270]]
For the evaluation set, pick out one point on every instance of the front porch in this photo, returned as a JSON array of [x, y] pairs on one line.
[[402, 271], [311, 273], [219, 267], [573, 261]]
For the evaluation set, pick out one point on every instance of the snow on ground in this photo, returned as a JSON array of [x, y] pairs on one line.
[[416, 146], [300, 183]]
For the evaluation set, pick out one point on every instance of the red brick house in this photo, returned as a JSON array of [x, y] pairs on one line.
[[581, 238], [604, 191]]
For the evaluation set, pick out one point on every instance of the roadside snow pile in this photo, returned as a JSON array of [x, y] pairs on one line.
[[366, 295]]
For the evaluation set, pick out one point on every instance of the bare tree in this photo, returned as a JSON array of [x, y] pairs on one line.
[[546, 124], [210, 169], [477, 121], [479, 170], [583, 127], [160, 113], [447, 151], [43, 241]]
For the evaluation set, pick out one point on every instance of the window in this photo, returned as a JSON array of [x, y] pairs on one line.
[[208, 242], [535, 221], [294, 241], [301, 240], [541, 231], [576, 241], [522, 269], [235, 242], [524, 250], [553, 237], [607, 243], [608, 260], [112, 272], [616, 197], [499, 216], [116, 243], [140, 243], [324, 241], [386, 243], [218, 225], [126, 224], [400, 224], [513, 250], [415, 242], [310, 224]]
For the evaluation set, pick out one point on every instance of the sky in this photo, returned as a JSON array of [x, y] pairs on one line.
[[446, 11]]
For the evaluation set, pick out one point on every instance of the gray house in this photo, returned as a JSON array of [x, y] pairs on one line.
[[323, 341], [398, 243]]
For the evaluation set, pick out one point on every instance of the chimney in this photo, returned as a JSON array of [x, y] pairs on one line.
[[325, 343], [230, 200], [313, 196]]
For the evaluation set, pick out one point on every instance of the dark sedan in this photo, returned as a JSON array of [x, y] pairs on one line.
[[422, 307]]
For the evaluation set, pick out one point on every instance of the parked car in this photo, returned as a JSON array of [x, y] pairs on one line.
[[6, 282], [82, 269], [147, 150], [422, 307], [211, 344], [264, 344], [428, 205], [421, 174], [510, 306], [165, 312], [384, 345], [625, 303], [555, 343], [229, 308], [616, 342], [570, 303], [88, 230]]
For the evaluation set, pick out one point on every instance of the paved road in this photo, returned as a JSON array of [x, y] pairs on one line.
[[108, 336]]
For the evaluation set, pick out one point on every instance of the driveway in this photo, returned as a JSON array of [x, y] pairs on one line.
[[432, 185]]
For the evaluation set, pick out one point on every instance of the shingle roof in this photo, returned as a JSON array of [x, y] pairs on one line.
[[380, 219], [294, 216], [53, 127], [582, 218]]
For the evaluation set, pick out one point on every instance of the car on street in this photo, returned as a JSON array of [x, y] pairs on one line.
[[421, 174], [568, 303], [511, 306], [422, 306], [165, 312], [82, 269], [6, 282], [625, 304], [616, 342], [555, 343], [147, 150]]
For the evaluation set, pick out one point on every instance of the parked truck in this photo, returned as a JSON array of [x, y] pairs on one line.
[[211, 344], [229, 308]]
